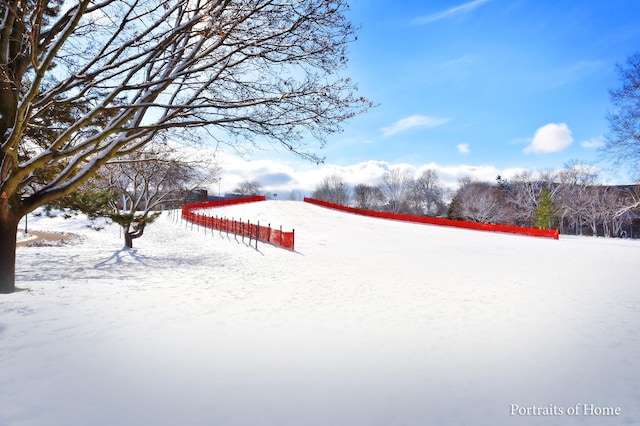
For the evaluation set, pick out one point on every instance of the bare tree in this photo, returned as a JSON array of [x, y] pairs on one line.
[[478, 202], [623, 141], [606, 207], [145, 180], [572, 196], [334, 190], [396, 186], [523, 193], [626, 206], [248, 188], [368, 197], [251, 70], [428, 194], [613, 199], [631, 200], [593, 207]]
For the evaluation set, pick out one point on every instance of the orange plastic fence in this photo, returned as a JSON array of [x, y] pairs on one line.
[[492, 227], [246, 229]]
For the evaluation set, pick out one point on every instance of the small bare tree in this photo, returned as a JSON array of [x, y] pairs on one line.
[[146, 180], [248, 188], [334, 190], [133, 70], [479, 202], [368, 197]]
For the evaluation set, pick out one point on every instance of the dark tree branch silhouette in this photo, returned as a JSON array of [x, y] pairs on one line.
[[250, 71], [623, 141]]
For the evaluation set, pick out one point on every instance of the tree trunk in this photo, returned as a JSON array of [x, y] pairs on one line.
[[8, 233], [129, 236], [128, 239]]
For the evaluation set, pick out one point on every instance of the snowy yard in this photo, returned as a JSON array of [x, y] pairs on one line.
[[369, 322]]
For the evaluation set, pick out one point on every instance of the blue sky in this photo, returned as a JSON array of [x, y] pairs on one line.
[[475, 88]]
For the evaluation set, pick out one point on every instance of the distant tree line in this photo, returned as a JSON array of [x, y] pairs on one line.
[[399, 192], [571, 199]]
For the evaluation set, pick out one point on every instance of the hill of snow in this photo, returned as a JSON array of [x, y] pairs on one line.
[[367, 322]]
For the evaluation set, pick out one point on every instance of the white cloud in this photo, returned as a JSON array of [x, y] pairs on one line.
[[450, 175], [463, 8], [587, 169], [300, 178], [593, 143], [463, 148], [278, 176], [413, 121], [553, 137]]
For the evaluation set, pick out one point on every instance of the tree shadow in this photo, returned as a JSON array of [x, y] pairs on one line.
[[121, 256]]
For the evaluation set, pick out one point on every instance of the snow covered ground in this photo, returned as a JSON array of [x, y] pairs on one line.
[[367, 322]]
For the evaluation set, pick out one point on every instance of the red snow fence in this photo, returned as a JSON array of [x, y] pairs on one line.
[[532, 232], [246, 229]]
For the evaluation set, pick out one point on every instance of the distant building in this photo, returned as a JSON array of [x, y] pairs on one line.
[[196, 195]]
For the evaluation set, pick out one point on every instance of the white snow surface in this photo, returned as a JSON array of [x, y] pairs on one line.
[[368, 322]]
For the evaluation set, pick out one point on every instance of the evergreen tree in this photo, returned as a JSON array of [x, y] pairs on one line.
[[93, 198], [544, 216]]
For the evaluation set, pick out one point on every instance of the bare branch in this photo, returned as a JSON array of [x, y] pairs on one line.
[[259, 70]]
